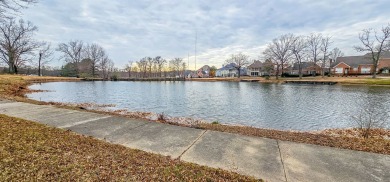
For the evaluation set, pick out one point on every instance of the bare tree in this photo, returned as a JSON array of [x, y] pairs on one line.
[[44, 56], [240, 60], [298, 48], [325, 44], [72, 53], [279, 51], [374, 44], [128, 67], [143, 65], [160, 63], [95, 53], [176, 64], [106, 65], [149, 65], [314, 42], [335, 53], [16, 43], [370, 118], [9, 7], [183, 68]]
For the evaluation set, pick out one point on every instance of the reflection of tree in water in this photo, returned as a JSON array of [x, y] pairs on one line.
[[372, 111]]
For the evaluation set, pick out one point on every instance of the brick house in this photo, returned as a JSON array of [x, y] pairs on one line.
[[360, 65], [384, 66], [352, 65], [308, 68]]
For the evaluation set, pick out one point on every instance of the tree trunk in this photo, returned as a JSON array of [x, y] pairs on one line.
[[300, 70], [16, 69], [375, 67], [39, 64], [239, 72]]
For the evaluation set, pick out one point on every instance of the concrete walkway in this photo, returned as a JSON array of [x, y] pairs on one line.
[[268, 159]]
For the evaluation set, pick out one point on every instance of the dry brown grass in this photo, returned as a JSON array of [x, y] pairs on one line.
[[16, 85], [34, 152], [375, 144]]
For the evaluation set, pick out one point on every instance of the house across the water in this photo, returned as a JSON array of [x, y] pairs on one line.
[[360, 65], [230, 70], [308, 68]]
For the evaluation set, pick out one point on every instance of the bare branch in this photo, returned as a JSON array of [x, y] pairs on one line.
[[374, 44], [240, 60], [16, 43]]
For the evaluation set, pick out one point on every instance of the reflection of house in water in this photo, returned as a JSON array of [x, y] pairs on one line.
[[230, 70]]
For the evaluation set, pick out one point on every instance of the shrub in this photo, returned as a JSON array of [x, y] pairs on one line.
[[114, 77], [161, 117], [370, 118]]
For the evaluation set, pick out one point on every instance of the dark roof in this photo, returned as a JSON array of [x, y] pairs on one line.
[[228, 66], [256, 64], [353, 61], [303, 65], [385, 54]]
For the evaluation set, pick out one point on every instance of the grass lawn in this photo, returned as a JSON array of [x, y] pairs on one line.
[[34, 152]]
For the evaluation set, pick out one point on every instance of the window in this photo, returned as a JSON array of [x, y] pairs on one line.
[[365, 70]]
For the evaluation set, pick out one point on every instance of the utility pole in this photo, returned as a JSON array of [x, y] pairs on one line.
[[196, 40]]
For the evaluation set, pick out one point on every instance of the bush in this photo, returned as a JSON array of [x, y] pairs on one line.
[[369, 118], [114, 77], [295, 75], [161, 117], [84, 75]]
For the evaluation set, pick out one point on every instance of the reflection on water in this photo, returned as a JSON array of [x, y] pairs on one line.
[[277, 106]]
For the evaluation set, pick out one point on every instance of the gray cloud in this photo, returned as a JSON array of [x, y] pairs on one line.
[[130, 30]]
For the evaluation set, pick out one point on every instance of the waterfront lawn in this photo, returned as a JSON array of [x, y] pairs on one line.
[[34, 152]]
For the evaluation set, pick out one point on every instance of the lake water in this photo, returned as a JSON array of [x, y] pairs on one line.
[[276, 106]]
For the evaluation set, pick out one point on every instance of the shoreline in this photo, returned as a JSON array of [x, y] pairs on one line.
[[358, 80], [350, 138], [339, 138]]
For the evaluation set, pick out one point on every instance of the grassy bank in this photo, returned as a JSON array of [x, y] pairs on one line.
[[34, 152], [16, 85]]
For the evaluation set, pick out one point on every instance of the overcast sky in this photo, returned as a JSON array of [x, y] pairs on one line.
[[132, 29]]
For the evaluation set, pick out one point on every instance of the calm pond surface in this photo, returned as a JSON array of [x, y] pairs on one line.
[[276, 106]]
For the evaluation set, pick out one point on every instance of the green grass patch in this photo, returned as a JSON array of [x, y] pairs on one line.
[[377, 81]]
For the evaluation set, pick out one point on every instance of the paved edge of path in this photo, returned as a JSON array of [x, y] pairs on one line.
[[263, 158]]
